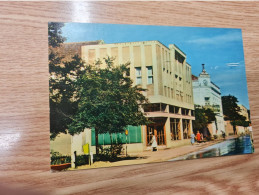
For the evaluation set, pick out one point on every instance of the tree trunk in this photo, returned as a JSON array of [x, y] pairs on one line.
[[234, 128], [96, 141]]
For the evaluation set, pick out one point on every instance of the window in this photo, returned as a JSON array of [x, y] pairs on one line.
[[174, 109], [186, 128], [149, 75], [185, 111], [165, 91], [138, 76], [154, 107], [175, 129], [207, 100]]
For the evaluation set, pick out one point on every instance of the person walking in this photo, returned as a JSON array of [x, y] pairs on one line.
[[192, 138], [250, 129], [154, 143], [198, 136]]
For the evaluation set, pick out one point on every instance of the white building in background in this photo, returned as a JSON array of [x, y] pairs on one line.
[[207, 94]]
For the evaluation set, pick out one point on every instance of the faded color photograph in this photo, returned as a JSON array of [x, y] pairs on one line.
[[134, 94]]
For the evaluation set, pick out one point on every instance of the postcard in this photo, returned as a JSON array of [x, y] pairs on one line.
[[131, 94]]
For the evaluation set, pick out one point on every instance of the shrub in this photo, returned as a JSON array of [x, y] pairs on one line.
[[110, 153], [57, 158], [82, 160]]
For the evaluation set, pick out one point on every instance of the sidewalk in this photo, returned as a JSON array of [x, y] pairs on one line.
[[157, 156]]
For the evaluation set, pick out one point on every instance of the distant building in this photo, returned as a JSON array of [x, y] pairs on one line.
[[243, 111], [239, 129], [68, 50], [207, 94]]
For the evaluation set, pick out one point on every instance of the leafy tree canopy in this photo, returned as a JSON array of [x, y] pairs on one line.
[[203, 116], [107, 100], [86, 96], [55, 34], [231, 109], [63, 104], [63, 100]]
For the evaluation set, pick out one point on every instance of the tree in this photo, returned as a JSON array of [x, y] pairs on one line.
[[203, 117], [55, 37], [108, 101], [63, 104], [83, 96], [231, 110]]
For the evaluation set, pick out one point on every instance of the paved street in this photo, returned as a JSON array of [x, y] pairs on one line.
[[158, 156], [232, 146]]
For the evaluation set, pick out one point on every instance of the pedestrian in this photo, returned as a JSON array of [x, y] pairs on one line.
[[198, 136], [201, 136], [154, 143], [192, 138], [251, 133]]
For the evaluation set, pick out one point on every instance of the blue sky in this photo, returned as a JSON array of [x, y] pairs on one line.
[[220, 49]]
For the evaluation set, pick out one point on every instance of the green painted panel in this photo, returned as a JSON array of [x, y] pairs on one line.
[[134, 136]]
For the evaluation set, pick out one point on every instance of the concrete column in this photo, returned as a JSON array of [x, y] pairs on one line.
[[120, 54], [97, 53], [167, 132], [167, 108], [143, 67], [109, 52], [181, 128], [144, 135], [191, 130], [76, 146], [155, 69], [84, 54]]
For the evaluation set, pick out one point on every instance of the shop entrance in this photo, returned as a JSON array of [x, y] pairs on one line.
[[157, 129]]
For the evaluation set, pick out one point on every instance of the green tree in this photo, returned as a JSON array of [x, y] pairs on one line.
[[62, 79], [203, 117], [89, 97], [108, 101], [231, 110]]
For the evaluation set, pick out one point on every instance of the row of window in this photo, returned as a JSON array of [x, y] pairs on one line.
[[139, 75], [175, 128], [160, 107]]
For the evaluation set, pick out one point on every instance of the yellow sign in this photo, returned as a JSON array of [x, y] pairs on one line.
[[126, 132], [86, 149]]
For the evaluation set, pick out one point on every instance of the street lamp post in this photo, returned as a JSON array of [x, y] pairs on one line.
[[126, 133]]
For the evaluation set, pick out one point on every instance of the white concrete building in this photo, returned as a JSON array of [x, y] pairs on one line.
[[207, 94]]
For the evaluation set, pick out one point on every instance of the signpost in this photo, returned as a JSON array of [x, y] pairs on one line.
[[126, 133]]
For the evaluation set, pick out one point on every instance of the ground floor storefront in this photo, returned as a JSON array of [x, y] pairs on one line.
[[170, 130]]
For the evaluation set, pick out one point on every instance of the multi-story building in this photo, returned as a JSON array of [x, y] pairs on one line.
[[163, 71], [207, 94]]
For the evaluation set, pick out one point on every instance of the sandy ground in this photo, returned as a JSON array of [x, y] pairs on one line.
[[149, 156]]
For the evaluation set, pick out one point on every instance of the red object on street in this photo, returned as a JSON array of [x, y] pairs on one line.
[[60, 167], [198, 137]]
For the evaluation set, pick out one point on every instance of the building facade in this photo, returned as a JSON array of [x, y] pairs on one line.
[[163, 71], [244, 112], [239, 129], [207, 94]]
